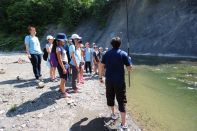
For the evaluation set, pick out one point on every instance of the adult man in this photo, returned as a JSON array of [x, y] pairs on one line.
[[88, 58], [34, 52], [114, 61], [75, 59]]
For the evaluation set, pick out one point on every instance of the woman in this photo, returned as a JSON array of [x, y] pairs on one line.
[[34, 52], [96, 60], [63, 67], [82, 63], [75, 53], [49, 46], [100, 56]]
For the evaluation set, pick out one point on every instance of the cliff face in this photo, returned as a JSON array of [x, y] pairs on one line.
[[155, 26]]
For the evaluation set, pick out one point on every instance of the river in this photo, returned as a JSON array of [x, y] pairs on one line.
[[163, 93]]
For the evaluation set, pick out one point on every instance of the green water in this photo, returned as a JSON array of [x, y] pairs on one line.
[[163, 97]]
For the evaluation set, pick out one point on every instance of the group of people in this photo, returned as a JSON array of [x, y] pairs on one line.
[[70, 57]]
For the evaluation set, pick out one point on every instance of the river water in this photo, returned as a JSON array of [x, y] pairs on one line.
[[163, 93]]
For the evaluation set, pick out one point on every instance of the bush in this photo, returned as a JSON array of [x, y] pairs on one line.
[[15, 16]]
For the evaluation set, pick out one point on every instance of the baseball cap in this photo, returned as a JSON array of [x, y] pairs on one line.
[[49, 37], [61, 37], [75, 36]]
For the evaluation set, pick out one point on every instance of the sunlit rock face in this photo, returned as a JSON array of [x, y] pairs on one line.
[[155, 26]]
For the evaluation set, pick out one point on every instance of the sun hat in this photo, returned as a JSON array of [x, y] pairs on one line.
[[50, 37], [76, 36], [100, 48], [61, 37]]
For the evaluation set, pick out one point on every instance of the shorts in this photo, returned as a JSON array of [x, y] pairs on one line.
[[118, 91], [53, 60], [60, 71]]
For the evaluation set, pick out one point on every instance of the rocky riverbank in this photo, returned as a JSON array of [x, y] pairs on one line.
[[24, 107]]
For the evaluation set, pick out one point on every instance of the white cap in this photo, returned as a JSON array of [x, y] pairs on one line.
[[75, 36], [50, 37]]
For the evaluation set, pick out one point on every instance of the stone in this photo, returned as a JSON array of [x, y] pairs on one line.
[[23, 125], [40, 115], [2, 111], [41, 84], [5, 101]]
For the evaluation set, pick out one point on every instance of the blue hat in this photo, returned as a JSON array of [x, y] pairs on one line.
[[61, 37]]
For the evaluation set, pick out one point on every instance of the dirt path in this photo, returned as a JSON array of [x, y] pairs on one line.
[[24, 107]]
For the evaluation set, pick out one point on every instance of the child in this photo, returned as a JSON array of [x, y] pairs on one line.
[[63, 67], [49, 46]]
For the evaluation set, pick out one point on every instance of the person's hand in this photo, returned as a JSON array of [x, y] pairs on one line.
[[64, 71], [77, 68], [29, 56]]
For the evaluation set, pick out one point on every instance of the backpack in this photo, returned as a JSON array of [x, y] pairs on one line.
[[45, 55]]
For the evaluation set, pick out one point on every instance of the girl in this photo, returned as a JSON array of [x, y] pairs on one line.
[[49, 46], [63, 67]]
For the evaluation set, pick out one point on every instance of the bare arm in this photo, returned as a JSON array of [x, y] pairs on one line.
[[48, 50], [129, 68], [102, 67], [27, 51]]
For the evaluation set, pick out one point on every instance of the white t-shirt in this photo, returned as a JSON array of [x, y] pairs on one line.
[[49, 46], [63, 53]]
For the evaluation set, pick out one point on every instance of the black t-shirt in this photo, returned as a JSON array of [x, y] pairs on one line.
[[114, 61]]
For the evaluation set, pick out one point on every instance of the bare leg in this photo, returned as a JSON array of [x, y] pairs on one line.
[[51, 73], [123, 117], [113, 109], [62, 85]]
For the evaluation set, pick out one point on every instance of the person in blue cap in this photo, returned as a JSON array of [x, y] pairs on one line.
[[63, 66]]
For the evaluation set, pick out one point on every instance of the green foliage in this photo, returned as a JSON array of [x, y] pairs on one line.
[[15, 16]]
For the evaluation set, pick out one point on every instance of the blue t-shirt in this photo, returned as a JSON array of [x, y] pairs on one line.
[[88, 54], [33, 44], [114, 61], [77, 53]]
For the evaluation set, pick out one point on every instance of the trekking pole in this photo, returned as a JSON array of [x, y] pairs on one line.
[[128, 41]]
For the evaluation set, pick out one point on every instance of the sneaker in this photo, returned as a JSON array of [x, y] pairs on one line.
[[122, 127], [37, 80], [82, 82], [114, 116], [55, 80], [41, 78], [66, 95], [76, 91]]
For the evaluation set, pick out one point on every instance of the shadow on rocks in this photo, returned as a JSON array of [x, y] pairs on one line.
[[45, 100], [20, 83], [96, 124]]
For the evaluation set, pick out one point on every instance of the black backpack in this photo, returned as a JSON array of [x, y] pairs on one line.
[[45, 55]]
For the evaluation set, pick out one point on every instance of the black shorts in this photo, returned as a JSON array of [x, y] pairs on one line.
[[118, 91], [61, 74]]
